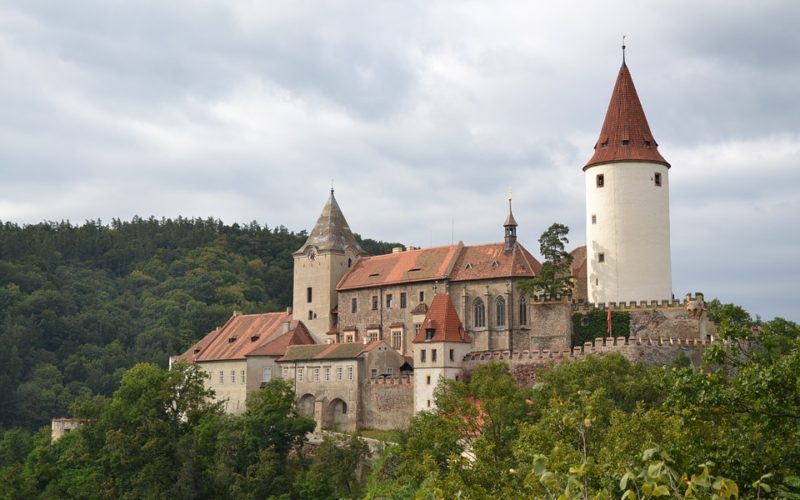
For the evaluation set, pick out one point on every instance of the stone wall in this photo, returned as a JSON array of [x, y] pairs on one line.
[[525, 364], [387, 403], [551, 325]]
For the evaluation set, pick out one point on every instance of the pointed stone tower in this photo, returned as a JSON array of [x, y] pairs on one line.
[[330, 250], [627, 206]]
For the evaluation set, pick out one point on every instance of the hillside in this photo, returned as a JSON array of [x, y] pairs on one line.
[[79, 304]]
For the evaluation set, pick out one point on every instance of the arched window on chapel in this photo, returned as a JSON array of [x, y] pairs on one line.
[[523, 311], [479, 313], [500, 311]]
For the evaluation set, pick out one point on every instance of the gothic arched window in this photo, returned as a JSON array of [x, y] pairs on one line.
[[523, 311], [479, 316], [500, 310]]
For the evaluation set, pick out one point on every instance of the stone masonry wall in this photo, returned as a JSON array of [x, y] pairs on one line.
[[656, 352], [388, 404], [551, 325]]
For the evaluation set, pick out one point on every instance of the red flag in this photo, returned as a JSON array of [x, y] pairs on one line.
[[608, 320]]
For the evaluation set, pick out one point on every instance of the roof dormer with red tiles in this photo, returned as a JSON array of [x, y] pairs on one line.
[[441, 323]]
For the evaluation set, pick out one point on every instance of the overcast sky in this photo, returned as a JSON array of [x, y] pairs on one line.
[[423, 112]]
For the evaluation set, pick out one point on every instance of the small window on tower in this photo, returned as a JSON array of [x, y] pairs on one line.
[[604, 144], [374, 302], [601, 257], [353, 305], [308, 294], [626, 143], [657, 178], [421, 296], [310, 314], [647, 144], [594, 219], [601, 180]]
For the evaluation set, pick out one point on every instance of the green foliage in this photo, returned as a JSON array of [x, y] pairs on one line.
[[338, 469], [588, 326], [553, 279]]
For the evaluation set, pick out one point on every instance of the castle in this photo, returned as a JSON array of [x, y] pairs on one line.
[[368, 337]]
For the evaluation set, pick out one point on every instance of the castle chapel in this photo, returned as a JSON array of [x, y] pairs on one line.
[[368, 337]]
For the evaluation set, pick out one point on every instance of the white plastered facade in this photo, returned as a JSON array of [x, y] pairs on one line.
[[627, 227]]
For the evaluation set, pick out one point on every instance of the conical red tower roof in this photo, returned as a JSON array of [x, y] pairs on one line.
[[625, 135]]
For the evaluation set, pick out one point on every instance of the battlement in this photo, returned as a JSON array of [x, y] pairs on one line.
[[599, 346], [690, 302], [399, 380]]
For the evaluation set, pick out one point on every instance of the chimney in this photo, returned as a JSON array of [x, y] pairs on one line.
[[287, 325], [289, 310]]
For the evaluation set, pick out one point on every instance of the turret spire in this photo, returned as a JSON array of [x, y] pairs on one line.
[[625, 135], [510, 226], [331, 232]]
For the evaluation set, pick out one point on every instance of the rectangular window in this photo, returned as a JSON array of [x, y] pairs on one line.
[[422, 355], [308, 295], [433, 355], [373, 335], [338, 373], [374, 373], [299, 374], [416, 329], [657, 178], [285, 372], [221, 377], [429, 403], [452, 355], [397, 339], [242, 378], [316, 375], [402, 300], [374, 302], [625, 143], [326, 373], [428, 380], [601, 257], [233, 376], [350, 372], [388, 301], [601, 180], [266, 375], [349, 338], [390, 371], [594, 219], [353, 305], [422, 296]]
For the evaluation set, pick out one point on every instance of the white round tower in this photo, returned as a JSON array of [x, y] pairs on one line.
[[627, 206]]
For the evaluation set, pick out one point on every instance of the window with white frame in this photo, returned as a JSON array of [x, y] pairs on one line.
[[350, 372], [339, 373], [285, 372], [299, 374], [397, 338], [233, 376], [373, 335], [221, 377], [326, 374], [266, 374], [316, 375], [241, 380]]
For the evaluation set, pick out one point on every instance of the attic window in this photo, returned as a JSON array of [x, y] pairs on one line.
[[468, 266], [231, 340], [429, 334], [415, 269], [254, 338], [604, 144], [646, 143], [374, 275], [625, 143], [196, 350], [495, 264]]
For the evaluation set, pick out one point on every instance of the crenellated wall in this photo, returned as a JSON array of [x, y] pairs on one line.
[[388, 403], [525, 364]]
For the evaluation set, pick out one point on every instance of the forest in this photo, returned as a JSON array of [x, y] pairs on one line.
[[90, 314], [80, 304]]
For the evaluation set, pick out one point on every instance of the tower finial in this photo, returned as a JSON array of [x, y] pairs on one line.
[[331, 185], [509, 198], [623, 49]]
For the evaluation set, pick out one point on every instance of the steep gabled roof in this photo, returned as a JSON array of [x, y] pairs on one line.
[[443, 319], [492, 261], [298, 335], [425, 264], [331, 231], [243, 334], [348, 350], [625, 135]]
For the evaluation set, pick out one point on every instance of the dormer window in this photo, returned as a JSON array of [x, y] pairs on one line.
[[646, 143], [626, 143], [429, 334], [254, 338], [604, 144], [231, 340]]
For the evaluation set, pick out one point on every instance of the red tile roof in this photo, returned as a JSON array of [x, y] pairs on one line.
[[243, 334], [625, 135], [348, 350], [298, 335], [412, 265], [443, 318], [492, 261]]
